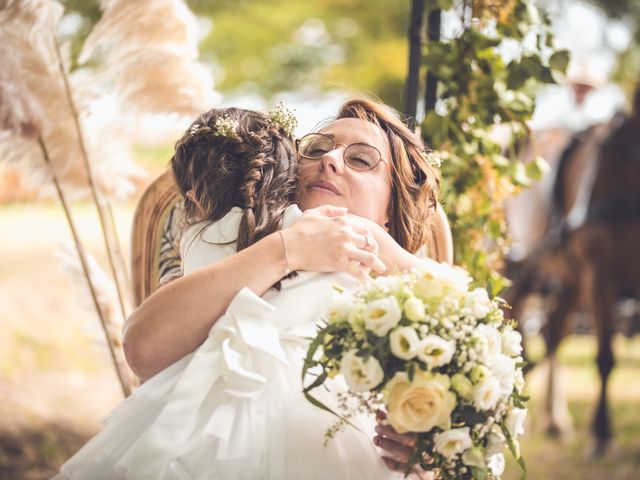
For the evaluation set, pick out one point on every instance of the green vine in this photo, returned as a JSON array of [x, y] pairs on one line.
[[478, 90]]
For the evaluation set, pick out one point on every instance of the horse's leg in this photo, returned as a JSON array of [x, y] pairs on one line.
[[557, 413], [601, 293]]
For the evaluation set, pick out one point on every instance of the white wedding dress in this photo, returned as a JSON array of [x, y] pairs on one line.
[[234, 408]]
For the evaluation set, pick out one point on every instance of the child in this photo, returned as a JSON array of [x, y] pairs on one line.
[[234, 408]]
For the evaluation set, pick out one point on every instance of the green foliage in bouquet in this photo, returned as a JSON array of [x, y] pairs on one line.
[[437, 356], [478, 90]]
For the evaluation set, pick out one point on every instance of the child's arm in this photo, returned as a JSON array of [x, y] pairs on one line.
[[177, 318]]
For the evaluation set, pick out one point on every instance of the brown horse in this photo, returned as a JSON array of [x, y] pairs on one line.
[[588, 255]]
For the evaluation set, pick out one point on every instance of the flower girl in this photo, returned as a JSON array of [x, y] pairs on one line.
[[234, 408]]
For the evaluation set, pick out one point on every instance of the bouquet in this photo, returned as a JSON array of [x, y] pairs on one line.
[[438, 356]]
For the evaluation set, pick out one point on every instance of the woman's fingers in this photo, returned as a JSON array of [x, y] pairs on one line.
[[397, 451], [407, 439], [366, 259]]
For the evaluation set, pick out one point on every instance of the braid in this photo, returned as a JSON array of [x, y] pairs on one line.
[[251, 165]]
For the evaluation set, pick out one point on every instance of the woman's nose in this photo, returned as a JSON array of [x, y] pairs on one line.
[[334, 160]]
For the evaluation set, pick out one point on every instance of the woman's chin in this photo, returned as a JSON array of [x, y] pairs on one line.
[[318, 199]]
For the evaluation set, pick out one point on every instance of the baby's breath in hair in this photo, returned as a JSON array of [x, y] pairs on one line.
[[433, 158], [284, 118], [194, 128], [225, 127]]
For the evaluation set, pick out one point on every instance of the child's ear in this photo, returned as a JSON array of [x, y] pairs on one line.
[[192, 196]]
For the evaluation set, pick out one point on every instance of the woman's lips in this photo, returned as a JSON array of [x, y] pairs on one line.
[[324, 187]]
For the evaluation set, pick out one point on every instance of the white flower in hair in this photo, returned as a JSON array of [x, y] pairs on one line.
[[225, 127], [433, 158], [194, 128], [284, 118]]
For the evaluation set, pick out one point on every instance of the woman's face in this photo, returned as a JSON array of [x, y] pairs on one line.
[[328, 181]]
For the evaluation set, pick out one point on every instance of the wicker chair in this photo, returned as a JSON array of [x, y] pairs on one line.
[[157, 228]]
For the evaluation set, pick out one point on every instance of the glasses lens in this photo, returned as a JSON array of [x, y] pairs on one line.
[[360, 156], [315, 145]]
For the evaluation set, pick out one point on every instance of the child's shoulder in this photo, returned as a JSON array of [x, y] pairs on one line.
[[223, 231]]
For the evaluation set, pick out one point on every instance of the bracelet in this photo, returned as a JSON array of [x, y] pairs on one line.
[[287, 270]]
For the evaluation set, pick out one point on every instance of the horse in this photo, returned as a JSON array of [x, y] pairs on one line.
[[586, 255]]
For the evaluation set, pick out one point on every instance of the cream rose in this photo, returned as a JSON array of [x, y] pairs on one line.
[[420, 405], [451, 443], [404, 342], [414, 309], [361, 375], [435, 279], [435, 351], [382, 315]]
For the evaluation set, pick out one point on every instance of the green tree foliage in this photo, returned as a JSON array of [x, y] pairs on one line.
[[269, 46], [479, 90]]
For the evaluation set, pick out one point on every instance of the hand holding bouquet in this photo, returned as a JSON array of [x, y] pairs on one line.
[[440, 359]]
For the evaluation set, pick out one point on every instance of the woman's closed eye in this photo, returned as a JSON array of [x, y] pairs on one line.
[[317, 152], [360, 162]]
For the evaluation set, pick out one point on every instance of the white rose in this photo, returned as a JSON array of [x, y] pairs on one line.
[[361, 375], [487, 394], [477, 301], [382, 315], [435, 279], [452, 442], [511, 342], [435, 351], [490, 338], [504, 369], [421, 404], [414, 309], [341, 303], [515, 421], [404, 342], [496, 464]]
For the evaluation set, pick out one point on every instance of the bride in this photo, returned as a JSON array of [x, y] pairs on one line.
[[233, 408]]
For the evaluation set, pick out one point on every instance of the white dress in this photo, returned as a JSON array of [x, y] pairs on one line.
[[234, 409]]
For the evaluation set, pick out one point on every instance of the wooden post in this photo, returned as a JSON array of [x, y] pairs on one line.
[[433, 32], [416, 27]]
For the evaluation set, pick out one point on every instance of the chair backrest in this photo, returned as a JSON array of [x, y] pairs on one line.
[[155, 236], [157, 228]]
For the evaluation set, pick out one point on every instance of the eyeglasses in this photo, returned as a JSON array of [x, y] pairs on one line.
[[359, 156]]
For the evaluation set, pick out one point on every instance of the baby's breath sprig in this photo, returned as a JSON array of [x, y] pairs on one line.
[[225, 127], [284, 117], [433, 158]]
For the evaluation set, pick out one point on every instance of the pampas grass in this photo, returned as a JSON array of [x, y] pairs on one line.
[[144, 53], [147, 50], [43, 109], [107, 298]]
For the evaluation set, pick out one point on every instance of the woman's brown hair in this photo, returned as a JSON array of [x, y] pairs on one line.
[[415, 183], [252, 167]]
